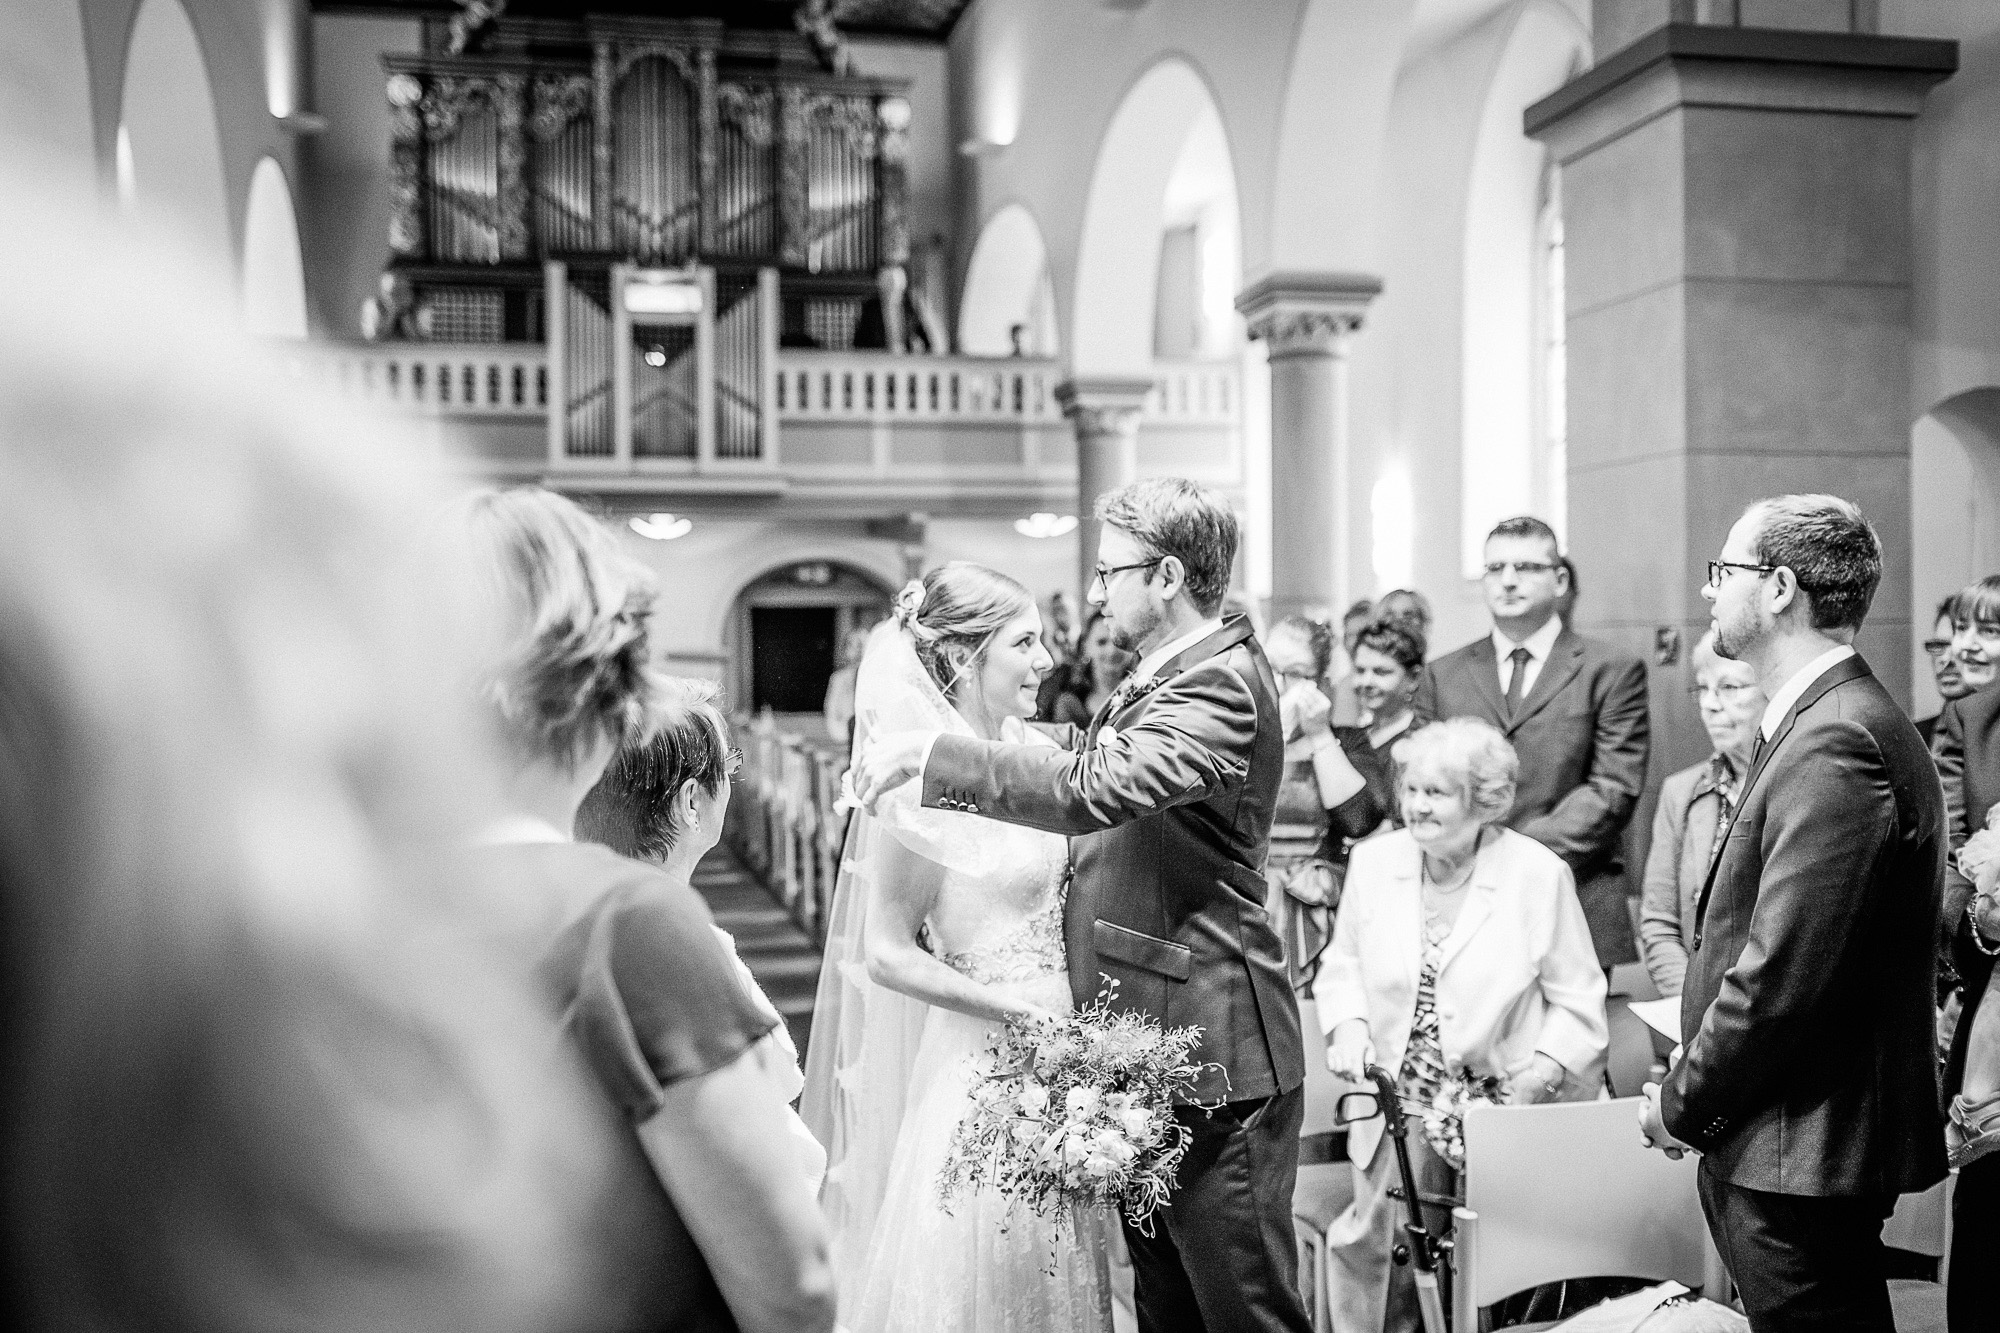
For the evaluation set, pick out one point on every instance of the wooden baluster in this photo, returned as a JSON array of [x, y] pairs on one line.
[[601, 131], [511, 100], [409, 238], [794, 205]]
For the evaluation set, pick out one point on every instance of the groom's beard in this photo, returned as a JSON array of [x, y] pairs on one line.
[[1131, 637]]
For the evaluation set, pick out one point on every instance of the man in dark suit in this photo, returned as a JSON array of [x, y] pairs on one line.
[[1169, 797], [1573, 708], [1807, 1081]]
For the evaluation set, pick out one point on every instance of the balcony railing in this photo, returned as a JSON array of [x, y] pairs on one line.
[[439, 379], [869, 386]]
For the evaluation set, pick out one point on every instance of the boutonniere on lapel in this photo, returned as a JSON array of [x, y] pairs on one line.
[[1134, 693]]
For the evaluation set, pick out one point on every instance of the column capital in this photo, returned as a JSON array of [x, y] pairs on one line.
[[1103, 405], [1305, 314]]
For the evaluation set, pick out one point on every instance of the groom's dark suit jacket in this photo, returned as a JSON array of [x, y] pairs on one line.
[[1808, 1005], [1169, 804]]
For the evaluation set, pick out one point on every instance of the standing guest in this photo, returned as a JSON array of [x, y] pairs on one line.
[[838, 708], [1408, 608], [1346, 708], [1807, 1082], [1972, 1089], [1946, 672], [664, 800], [1459, 948], [1388, 663], [731, 1237], [1085, 685], [1573, 708], [1957, 743], [1695, 807]]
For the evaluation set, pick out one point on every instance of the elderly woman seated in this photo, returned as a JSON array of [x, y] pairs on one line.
[[1460, 950], [1695, 806], [663, 799]]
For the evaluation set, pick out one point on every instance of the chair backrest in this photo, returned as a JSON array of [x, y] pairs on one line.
[[1920, 1223], [1322, 1088], [1568, 1190]]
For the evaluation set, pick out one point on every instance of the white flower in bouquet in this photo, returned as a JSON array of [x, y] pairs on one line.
[[1034, 1099], [1081, 1103]]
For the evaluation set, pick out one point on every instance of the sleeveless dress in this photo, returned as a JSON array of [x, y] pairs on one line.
[[988, 1265]]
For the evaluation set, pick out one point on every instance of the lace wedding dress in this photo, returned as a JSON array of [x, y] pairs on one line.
[[987, 1265], [888, 1077]]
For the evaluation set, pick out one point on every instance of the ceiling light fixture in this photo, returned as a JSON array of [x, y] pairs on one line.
[[661, 527], [1040, 525]]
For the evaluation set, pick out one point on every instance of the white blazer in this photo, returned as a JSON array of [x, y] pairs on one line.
[[1518, 972]]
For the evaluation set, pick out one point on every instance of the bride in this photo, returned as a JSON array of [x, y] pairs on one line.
[[945, 927]]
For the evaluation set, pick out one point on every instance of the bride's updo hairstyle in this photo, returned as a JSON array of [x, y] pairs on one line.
[[953, 612]]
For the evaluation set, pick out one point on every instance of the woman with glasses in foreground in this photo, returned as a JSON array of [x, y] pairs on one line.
[[1695, 806]]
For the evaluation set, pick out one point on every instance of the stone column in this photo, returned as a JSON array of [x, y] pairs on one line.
[[1307, 319], [1105, 414], [1737, 228]]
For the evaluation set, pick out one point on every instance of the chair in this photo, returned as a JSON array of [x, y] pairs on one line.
[[1921, 1224], [1568, 1190], [1326, 1182]]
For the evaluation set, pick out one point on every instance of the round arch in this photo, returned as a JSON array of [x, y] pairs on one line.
[[1504, 302], [274, 275], [1166, 132], [1955, 514], [1007, 285], [170, 140]]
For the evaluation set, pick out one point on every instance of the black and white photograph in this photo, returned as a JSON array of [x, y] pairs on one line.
[[1000, 666]]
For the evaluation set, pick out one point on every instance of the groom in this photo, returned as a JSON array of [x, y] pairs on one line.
[[1168, 799]]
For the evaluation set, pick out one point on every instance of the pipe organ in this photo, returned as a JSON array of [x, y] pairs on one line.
[[528, 182]]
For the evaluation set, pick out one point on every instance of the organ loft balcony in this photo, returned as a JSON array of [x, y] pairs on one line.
[[634, 255]]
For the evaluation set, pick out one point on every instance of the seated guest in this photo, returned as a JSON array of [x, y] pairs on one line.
[[1459, 948], [731, 1237], [838, 706], [664, 800], [1074, 692], [1695, 806]]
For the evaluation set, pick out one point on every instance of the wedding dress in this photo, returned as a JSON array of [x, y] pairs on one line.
[[888, 1077]]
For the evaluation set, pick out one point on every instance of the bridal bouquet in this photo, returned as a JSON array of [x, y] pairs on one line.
[[1077, 1113], [1444, 1117]]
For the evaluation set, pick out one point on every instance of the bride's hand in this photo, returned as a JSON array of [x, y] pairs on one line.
[[887, 762], [1034, 1018]]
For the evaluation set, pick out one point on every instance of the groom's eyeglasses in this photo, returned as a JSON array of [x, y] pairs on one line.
[[1103, 573]]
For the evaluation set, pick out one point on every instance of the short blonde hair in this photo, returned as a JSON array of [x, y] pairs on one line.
[[1472, 754], [572, 665]]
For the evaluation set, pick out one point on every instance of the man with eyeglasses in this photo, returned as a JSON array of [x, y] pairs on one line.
[[1807, 1081], [1574, 710], [1948, 673]]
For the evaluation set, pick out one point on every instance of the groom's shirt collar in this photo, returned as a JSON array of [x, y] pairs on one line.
[[1150, 664]]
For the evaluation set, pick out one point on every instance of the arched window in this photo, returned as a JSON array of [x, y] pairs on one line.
[[1552, 389]]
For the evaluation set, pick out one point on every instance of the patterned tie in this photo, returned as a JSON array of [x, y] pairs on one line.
[[1517, 683]]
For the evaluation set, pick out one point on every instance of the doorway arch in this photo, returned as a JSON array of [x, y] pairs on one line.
[[786, 627]]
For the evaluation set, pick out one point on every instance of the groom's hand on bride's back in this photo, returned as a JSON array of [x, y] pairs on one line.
[[888, 762]]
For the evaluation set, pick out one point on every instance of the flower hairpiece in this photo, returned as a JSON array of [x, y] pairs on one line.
[[909, 605]]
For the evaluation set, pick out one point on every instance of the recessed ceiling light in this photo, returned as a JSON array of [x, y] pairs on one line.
[[1045, 525], [662, 527]]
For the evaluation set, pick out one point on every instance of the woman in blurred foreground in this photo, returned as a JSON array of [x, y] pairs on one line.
[[258, 1075], [728, 1236]]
